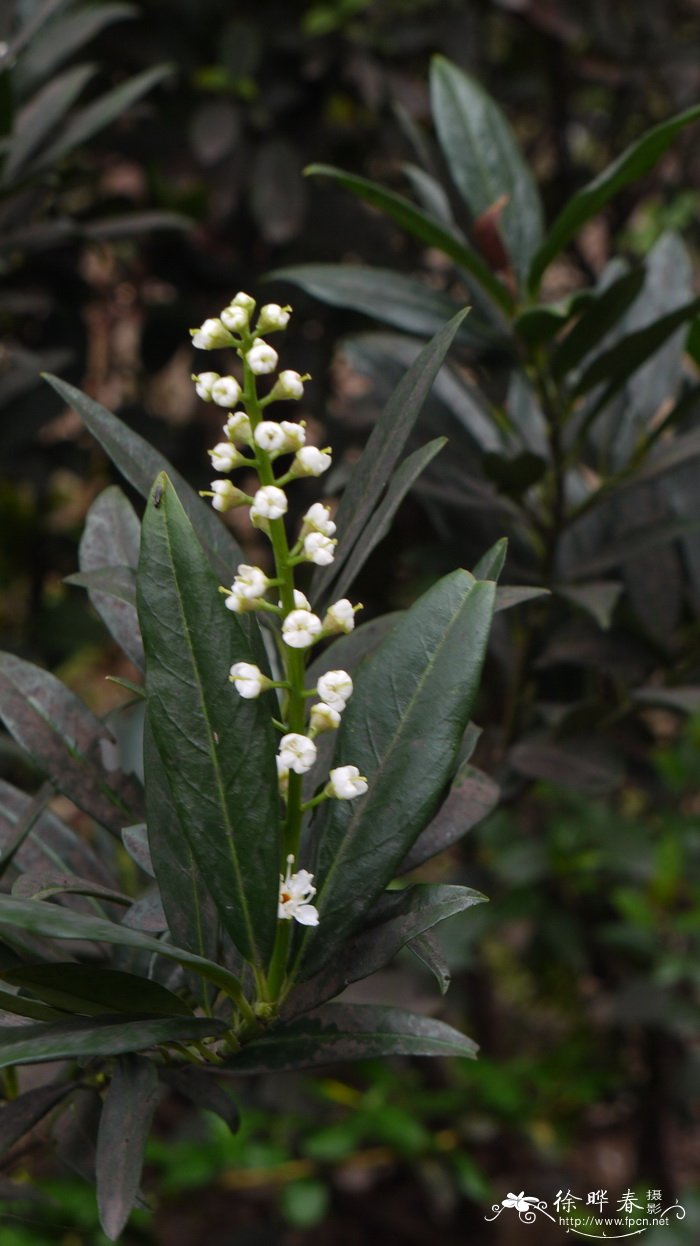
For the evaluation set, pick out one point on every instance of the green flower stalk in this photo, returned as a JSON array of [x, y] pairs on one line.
[[256, 442]]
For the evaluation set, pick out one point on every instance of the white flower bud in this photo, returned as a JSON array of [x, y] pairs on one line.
[[226, 391], [237, 428], [300, 601], [203, 384], [270, 502], [272, 318], [340, 617], [235, 318], [248, 679], [310, 461], [289, 387], [300, 628], [250, 582], [319, 549], [335, 689], [324, 718], [297, 752], [246, 301], [212, 335], [261, 358], [238, 603], [346, 782], [282, 777], [224, 457], [226, 495], [318, 519], [270, 436], [294, 436]]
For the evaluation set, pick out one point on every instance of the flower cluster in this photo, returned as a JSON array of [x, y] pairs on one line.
[[254, 441]]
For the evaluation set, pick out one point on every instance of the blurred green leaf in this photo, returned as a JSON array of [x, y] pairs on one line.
[[96, 990], [41, 115], [472, 796], [125, 1122], [304, 1203], [617, 363]]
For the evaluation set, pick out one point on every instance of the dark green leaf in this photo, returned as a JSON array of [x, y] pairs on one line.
[[135, 840], [25, 825], [598, 598], [217, 749], [472, 796], [514, 476], [96, 990], [537, 325], [41, 115], [635, 541], [119, 582], [51, 844], [424, 227], [347, 652], [22, 1007], [427, 950], [22, 1114], [65, 739], [484, 159], [340, 1032], [600, 316], [490, 565], [140, 464], [685, 699], [109, 554], [402, 728], [40, 884], [202, 1090], [618, 363], [401, 481], [384, 449], [510, 595], [81, 1037], [125, 1123], [637, 160], [399, 917], [61, 38], [584, 764]]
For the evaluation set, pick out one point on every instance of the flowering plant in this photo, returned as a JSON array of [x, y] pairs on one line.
[[293, 766]]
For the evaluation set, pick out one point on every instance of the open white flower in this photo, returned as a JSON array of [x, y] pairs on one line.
[[203, 384], [270, 502], [319, 549], [346, 782], [340, 617], [310, 461], [273, 318], [270, 436], [335, 688], [324, 718], [235, 318], [294, 436], [226, 495], [301, 628], [248, 679], [295, 892], [237, 428], [318, 519], [225, 456], [250, 582], [226, 391], [262, 358], [289, 386], [297, 752], [211, 335]]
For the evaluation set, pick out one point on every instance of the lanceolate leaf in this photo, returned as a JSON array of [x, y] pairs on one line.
[[82, 1037], [217, 749], [600, 316], [423, 226], [39, 117], [55, 41], [28, 1008], [140, 464], [65, 739], [621, 360], [93, 990], [109, 548], [350, 1032], [385, 447], [51, 844], [402, 728], [427, 950], [472, 796], [637, 160], [202, 1090], [484, 159], [20, 1115], [399, 917], [121, 1139]]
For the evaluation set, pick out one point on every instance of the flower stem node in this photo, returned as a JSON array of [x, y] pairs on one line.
[[297, 752], [226, 391], [261, 358], [319, 549], [340, 617], [270, 502], [295, 892], [310, 461], [289, 386], [345, 783], [301, 628], [225, 456], [238, 429], [335, 689], [324, 718], [203, 383], [248, 679], [272, 318], [211, 335], [225, 495]]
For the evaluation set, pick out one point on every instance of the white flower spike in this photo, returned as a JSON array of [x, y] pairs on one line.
[[295, 892], [319, 549], [262, 358], [211, 335], [270, 502], [335, 689], [345, 783], [310, 461], [273, 318], [226, 391], [297, 752], [340, 617], [248, 679], [301, 628], [324, 718]]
